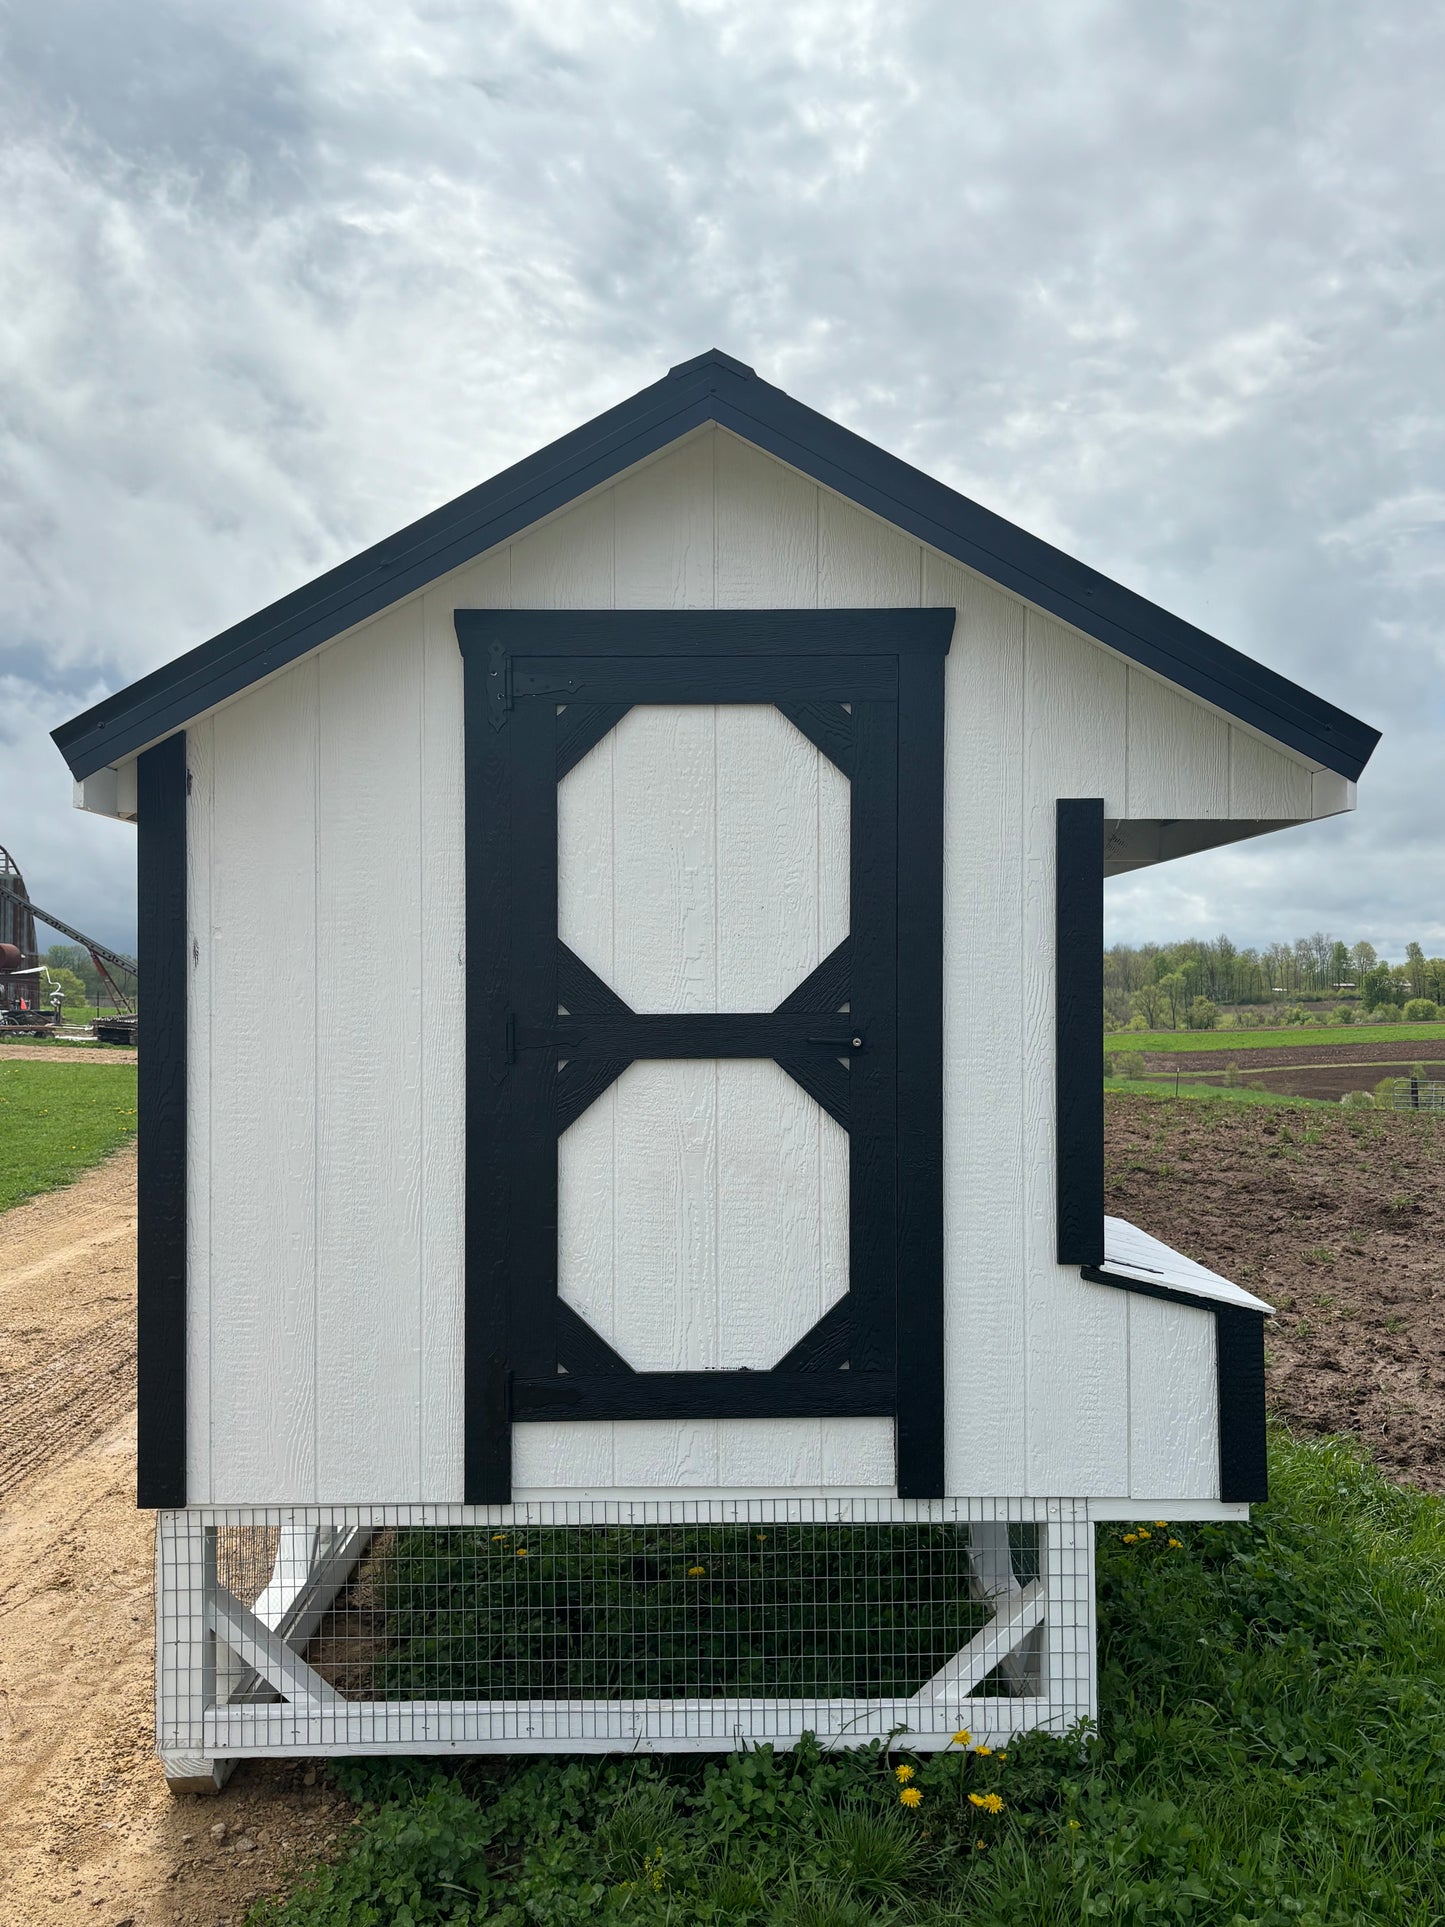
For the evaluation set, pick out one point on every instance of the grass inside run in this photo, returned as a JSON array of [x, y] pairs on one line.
[[1272, 1704], [1163, 1087], [1284, 1039], [56, 1120], [607, 1612]]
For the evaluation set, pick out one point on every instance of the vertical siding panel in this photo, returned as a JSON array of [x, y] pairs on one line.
[[1076, 1335], [264, 1080], [665, 530], [985, 1067], [1264, 785], [767, 531], [368, 1339], [199, 820], [1173, 1401], [567, 563], [485, 585], [1178, 752], [864, 563]]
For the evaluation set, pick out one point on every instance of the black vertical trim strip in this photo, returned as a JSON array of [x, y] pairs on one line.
[[921, 1421], [1078, 1015], [161, 783], [872, 1074], [486, 1422], [531, 1326], [1243, 1460]]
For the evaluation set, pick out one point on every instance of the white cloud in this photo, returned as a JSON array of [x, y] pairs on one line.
[[1161, 284]]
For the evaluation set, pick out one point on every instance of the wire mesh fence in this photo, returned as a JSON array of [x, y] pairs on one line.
[[626, 1624], [1416, 1094]]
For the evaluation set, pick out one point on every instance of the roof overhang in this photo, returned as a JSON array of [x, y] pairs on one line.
[[714, 388]]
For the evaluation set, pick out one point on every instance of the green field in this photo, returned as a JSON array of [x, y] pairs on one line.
[[1237, 1040], [1272, 1700], [56, 1120], [1163, 1086]]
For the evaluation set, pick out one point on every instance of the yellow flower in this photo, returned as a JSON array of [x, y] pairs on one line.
[[1003, 1756], [986, 1802], [980, 1846], [1131, 1538], [1176, 1545], [1073, 1826], [1162, 1525], [983, 1751], [1145, 1535], [697, 1572], [498, 1535], [961, 1737], [522, 1552], [903, 1773], [911, 1797]]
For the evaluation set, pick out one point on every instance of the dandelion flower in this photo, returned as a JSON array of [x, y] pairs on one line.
[[498, 1535], [1003, 1756], [903, 1773], [1145, 1535], [983, 1751], [697, 1572], [992, 1803], [1131, 1538], [522, 1552], [1161, 1525], [911, 1797], [1176, 1545], [961, 1737], [980, 1846]]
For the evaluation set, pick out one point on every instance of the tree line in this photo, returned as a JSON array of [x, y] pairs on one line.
[[1188, 985]]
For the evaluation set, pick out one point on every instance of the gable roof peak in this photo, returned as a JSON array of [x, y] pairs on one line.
[[714, 358]]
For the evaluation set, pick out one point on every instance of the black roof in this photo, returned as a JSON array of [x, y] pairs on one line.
[[714, 388]]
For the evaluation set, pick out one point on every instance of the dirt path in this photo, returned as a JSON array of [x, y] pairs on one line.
[[67, 1053], [88, 1831]]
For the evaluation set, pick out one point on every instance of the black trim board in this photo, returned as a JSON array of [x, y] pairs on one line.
[[1078, 1016], [713, 388], [1239, 1378], [161, 785]]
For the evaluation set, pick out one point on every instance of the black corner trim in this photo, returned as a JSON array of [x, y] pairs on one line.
[[1078, 1004], [715, 388], [1239, 1379], [581, 1348], [161, 1194], [824, 1347], [828, 727], [1243, 1454]]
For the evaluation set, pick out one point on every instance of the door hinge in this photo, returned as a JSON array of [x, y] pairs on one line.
[[499, 683]]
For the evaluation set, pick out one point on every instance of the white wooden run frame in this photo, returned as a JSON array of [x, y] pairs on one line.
[[233, 1678]]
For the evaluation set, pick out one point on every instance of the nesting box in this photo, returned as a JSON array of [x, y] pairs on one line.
[[620, 1090]]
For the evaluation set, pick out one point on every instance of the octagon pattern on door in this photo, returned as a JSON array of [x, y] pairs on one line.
[[701, 1147]]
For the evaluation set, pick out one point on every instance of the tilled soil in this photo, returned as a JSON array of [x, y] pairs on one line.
[[1338, 1220], [1250, 1056]]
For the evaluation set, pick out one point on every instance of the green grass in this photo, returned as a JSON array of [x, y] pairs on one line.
[[1235, 1040], [56, 1120], [647, 1611], [1270, 1751], [1163, 1087]]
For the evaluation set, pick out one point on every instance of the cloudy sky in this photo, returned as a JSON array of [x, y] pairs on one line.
[[1165, 283]]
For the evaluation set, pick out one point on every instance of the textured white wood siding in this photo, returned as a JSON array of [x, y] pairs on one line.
[[326, 1067]]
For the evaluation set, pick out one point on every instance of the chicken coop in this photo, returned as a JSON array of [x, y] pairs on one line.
[[685, 1314]]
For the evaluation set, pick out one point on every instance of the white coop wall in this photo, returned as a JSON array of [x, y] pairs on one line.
[[326, 1066]]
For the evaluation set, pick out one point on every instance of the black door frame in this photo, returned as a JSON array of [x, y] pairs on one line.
[[879, 1352]]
